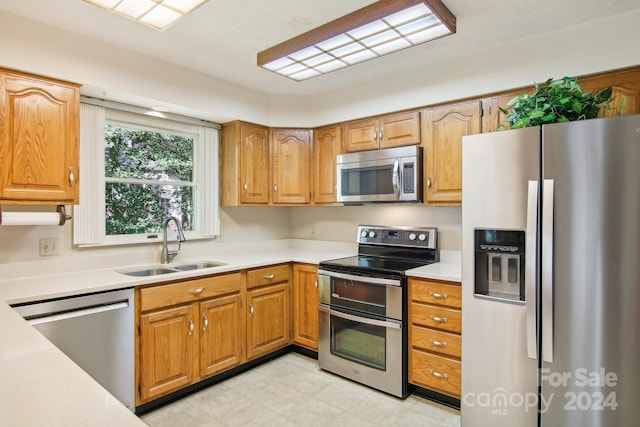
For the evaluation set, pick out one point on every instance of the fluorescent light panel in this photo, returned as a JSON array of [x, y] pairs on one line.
[[158, 14], [381, 28]]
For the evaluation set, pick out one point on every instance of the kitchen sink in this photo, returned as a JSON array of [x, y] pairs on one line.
[[198, 265], [154, 271], [148, 272]]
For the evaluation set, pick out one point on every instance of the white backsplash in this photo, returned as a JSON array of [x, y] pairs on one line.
[[241, 226]]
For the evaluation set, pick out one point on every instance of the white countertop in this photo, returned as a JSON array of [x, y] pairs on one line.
[[42, 386]]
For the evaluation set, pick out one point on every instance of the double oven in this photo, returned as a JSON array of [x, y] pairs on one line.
[[363, 307]]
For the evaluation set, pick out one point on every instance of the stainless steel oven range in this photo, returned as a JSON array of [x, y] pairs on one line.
[[363, 307]]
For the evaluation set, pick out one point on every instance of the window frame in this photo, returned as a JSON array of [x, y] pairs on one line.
[[205, 179]]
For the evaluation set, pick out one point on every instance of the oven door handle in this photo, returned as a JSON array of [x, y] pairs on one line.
[[384, 323], [364, 279]]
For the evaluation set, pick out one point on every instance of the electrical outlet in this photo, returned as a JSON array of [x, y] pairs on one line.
[[49, 247]]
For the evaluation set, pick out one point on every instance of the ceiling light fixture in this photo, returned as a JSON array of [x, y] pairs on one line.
[[375, 30], [158, 14]]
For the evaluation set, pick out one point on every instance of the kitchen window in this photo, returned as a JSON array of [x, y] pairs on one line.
[[136, 170]]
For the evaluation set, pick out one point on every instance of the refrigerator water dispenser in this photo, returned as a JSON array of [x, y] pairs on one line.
[[499, 264]]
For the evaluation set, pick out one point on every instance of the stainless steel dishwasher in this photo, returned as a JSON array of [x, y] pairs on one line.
[[96, 331]]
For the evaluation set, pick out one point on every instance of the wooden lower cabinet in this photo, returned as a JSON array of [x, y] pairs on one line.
[[188, 331], [268, 309], [267, 319], [435, 335], [305, 305], [221, 343], [168, 351]]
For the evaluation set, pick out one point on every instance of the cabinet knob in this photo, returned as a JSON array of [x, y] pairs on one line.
[[438, 319], [244, 186], [429, 183], [275, 187], [71, 176], [190, 326], [437, 295], [316, 283], [438, 343], [381, 135], [250, 310], [375, 134], [269, 276], [439, 375], [205, 321]]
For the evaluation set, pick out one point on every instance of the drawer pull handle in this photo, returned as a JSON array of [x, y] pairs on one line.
[[196, 291], [437, 295], [438, 343], [250, 310], [269, 276], [71, 176], [190, 326], [438, 319], [439, 375], [206, 321], [316, 283]]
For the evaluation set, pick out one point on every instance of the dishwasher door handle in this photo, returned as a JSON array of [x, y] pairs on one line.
[[78, 313]]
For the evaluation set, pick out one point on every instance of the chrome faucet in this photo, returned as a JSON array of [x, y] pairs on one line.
[[168, 255]]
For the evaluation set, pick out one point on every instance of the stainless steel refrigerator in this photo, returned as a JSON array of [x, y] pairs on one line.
[[551, 275]]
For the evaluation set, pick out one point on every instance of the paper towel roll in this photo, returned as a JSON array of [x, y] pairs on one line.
[[30, 218]]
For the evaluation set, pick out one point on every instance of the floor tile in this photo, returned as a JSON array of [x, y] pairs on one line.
[[292, 391]]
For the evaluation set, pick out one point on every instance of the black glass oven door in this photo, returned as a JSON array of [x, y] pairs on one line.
[[360, 339]]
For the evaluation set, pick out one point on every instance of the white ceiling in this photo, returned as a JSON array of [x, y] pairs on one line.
[[223, 37]]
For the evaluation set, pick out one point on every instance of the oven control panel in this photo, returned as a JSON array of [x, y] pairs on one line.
[[422, 237]]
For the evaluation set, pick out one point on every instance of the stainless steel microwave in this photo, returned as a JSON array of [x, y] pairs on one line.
[[387, 175]]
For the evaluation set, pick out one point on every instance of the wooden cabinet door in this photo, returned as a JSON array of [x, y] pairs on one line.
[[169, 340], [254, 164], [397, 130], [267, 319], [39, 140], [305, 305], [326, 147], [360, 135], [291, 162], [443, 129], [221, 345]]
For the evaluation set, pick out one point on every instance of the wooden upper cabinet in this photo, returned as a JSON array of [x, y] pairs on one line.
[[397, 130], [443, 129], [254, 164], [39, 140], [326, 148], [361, 135], [393, 130], [291, 163], [244, 164]]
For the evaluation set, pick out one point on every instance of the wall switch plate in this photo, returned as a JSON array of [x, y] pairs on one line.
[[49, 247]]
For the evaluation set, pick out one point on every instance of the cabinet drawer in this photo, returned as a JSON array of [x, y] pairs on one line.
[[188, 291], [437, 341], [433, 316], [440, 293], [267, 275], [436, 373]]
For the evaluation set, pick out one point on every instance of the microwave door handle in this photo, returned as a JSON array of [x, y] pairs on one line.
[[396, 179]]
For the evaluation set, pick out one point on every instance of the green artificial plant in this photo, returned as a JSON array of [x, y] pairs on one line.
[[556, 101]]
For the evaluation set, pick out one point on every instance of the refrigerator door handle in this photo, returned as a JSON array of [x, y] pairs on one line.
[[547, 270], [530, 270]]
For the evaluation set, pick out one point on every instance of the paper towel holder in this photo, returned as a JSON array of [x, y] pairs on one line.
[[60, 210]]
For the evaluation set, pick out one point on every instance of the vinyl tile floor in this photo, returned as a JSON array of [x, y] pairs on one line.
[[292, 391]]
